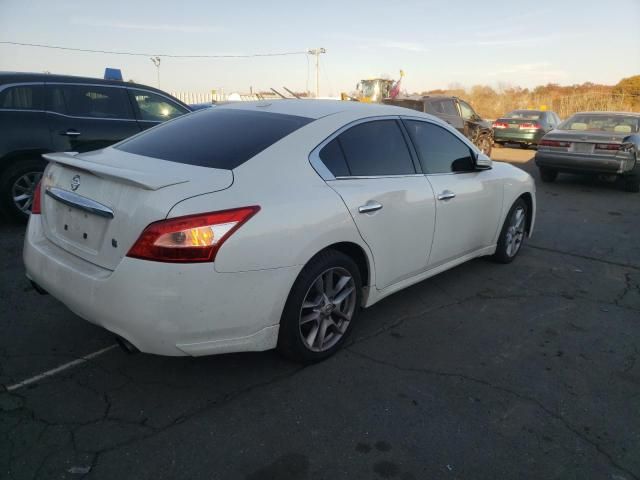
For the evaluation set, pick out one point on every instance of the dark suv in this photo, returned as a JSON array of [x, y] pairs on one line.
[[42, 113], [455, 112]]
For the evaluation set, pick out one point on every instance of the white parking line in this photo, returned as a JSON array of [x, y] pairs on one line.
[[59, 369]]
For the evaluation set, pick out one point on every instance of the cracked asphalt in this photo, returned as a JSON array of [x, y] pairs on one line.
[[527, 370]]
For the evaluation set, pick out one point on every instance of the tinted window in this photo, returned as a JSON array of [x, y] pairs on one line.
[[214, 137], [155, 107], [444, 106], [439, 150], [376, 148], [333, 158], [90, 101], [27, 97]]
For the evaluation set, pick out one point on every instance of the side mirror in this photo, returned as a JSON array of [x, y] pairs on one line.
[[482, 161]]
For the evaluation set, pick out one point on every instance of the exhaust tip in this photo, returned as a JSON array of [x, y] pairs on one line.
[[38, 288], [126, 345]]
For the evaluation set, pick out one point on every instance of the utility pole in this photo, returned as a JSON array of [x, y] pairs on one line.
[[317, 52], [156, 62]]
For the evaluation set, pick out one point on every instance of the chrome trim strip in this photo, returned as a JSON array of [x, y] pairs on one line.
[[78, 201]]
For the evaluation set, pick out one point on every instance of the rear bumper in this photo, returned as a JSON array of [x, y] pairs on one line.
[[517, 137], [161, 308], [572, 162]]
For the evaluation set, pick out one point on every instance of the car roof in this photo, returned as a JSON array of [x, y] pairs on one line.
[[20, 77], [319, 108], [631, 114]]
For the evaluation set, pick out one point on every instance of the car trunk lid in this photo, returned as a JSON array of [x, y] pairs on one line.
[[96, 205], [582, 142]]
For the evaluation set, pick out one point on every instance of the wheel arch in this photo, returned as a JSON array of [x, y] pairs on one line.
[[528, 199], [357, 254]]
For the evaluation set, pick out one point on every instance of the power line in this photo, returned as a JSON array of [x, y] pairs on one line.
[[140, 54]]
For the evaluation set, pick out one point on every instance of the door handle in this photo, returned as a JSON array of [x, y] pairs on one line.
[[446, 195], [70, 133], [369, 207]]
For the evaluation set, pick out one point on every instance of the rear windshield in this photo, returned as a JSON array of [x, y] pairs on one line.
[[524, 114], [214, 137], [602, 123]]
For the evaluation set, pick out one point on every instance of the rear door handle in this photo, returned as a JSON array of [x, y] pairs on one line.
[[70, 133], [369, 207], [446, 195]]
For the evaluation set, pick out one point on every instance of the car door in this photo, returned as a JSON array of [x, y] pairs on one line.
[[84, 117], [152, 108], [391, 204], [468, 201], [446, 109]]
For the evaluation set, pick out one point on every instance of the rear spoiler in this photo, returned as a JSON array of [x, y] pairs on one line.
[[146, 180]]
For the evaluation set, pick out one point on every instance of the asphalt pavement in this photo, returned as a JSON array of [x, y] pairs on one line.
[[487, 371]]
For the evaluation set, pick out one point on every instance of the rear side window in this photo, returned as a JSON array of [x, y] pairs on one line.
[[214, 137], [439, 151], [92, 101], [442, 107], [333, 158], [376, 148], [24, 97]]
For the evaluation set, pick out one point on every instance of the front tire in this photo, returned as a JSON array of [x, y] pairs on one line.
[[484, 144], [548, 175], [321, 308], [631, 185], [513, 233]]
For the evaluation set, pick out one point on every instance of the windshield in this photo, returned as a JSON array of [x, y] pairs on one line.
[[524, 114], [601, 123]]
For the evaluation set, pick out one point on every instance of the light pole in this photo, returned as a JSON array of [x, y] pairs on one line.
[[317, 52], [156, 62]]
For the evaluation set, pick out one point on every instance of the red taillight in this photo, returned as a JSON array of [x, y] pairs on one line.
[[608, 146], [36, 208], [553, 143], [530, 126], [189, 239], [499, 124]]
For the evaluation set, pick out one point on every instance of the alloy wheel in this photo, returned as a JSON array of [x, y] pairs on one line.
[[327, 309], [22, 191], [515, 231]]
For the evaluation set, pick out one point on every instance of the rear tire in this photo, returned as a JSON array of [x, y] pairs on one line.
[[17, 183], [548, 175], [513, 233], [325, 298]]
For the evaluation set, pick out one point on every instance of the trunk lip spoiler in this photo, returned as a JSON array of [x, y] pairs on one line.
[[148, 181], [78, 201]]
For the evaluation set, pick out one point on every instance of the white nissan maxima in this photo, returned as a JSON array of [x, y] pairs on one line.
[[260, 225]]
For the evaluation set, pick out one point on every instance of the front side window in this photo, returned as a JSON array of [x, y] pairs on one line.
[[93, 101], [23, 97], [466, 111], [439, 151], [376, 148], [214, 137], [156, 108]]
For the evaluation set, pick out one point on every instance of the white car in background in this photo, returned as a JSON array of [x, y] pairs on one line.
[[251, 226]]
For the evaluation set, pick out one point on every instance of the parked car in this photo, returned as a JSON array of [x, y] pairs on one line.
[[41, 113], [255, 225], [605, 143], [456, 112], [524, 127]]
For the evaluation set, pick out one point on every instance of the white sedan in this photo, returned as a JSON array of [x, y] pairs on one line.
[[252, 226]]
